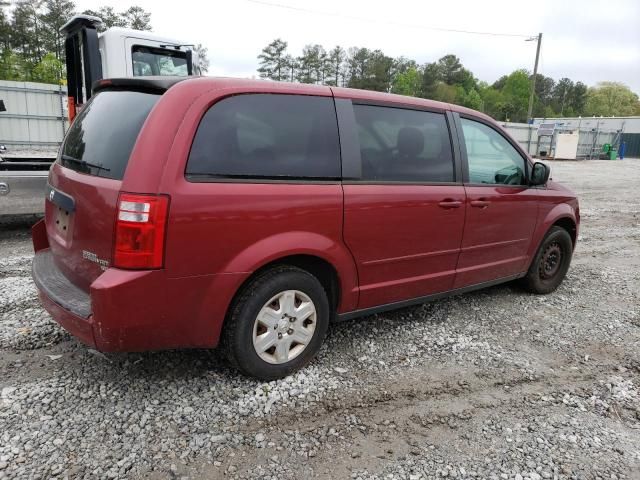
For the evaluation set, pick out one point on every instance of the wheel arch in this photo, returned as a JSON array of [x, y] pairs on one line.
[[562, 215], [569, 225], [317, 266], [330, 261]]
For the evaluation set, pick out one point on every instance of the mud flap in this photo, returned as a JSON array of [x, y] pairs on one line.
[[39, 236]]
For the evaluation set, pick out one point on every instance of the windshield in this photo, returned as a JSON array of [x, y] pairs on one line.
[[149, 61], [102, 136]]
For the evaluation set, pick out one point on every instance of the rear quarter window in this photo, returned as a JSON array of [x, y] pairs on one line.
[[102, 137], [267, 136]]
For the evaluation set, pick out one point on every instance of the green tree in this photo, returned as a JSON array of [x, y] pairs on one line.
[[272, 60], [321, 64], [561, 95], [430, 80], [26, 31], [134, 17], [578, 98], [492, 100], [499, 84], [48, 70], [516, 96], [357, 64], [612, 99], [445, 93], [310, 64], [336, 58], [378, 72], [56, 14], [137, 18], [402, 64], [408, 82], [291, 65], [11, 67], [449, 67], [110, 18], [452, 72], [470, 99], [5, 27], [544, 94]]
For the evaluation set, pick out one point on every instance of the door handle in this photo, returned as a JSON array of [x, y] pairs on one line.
[[480, 203], [450, 203]]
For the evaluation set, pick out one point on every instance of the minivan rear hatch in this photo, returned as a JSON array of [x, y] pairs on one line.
[[86, 179]]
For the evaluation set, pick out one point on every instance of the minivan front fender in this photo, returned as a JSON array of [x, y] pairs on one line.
[[546, 220]]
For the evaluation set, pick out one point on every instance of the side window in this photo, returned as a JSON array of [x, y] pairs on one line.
[[492, 159], [403, 145], [267, 136]]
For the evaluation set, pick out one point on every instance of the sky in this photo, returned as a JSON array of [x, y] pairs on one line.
[[586, 40]]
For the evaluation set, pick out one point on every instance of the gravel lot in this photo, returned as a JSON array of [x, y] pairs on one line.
[[497, 384]]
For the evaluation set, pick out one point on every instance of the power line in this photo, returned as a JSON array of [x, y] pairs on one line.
[[385, 22]]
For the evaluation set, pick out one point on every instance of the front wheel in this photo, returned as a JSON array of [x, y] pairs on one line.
[[551, 262], [277, 324]]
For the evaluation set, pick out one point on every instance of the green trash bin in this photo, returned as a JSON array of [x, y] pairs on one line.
[[613, 154]]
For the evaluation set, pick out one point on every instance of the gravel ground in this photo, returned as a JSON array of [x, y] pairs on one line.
[[497, 384]]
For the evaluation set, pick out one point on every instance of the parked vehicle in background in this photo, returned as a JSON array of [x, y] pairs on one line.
[[188, 213], [118, 52], [90, 56]]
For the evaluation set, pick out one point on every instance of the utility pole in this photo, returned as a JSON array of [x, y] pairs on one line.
[[535, 74]]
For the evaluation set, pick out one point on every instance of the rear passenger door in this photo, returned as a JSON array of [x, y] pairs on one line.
[[403, 200], [501, 208]]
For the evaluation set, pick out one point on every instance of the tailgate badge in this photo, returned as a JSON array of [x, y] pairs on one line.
[[92, 257]]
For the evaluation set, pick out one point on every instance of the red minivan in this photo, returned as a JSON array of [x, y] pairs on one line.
[[191, 213]]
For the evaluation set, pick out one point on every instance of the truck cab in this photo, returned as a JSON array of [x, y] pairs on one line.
[[145, 54], [116, 53]]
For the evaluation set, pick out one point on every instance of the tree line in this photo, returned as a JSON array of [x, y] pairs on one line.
[[32, 47], [445, 80]]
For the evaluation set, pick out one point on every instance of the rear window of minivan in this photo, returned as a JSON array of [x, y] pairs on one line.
[[102, 137], [267, 136]]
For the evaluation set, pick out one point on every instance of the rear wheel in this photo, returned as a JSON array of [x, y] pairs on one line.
[[551, 262], [277, 324]]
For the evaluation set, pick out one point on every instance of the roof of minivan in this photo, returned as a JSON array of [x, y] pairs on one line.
[[338, 92], [216, 83]]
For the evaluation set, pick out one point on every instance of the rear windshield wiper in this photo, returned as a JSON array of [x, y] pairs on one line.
[[84, 163]]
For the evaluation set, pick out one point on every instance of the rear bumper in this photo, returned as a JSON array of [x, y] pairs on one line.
[[67, 304], [79, 327], [128, 311]]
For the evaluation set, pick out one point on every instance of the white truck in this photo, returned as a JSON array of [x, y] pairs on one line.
[[90, 56]]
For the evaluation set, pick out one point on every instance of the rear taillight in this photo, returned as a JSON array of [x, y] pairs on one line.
[[140, 229]]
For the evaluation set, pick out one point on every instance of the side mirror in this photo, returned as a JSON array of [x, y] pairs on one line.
[[539, 174]]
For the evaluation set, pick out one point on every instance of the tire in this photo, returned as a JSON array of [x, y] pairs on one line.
[[551, 262], [279, 309]]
